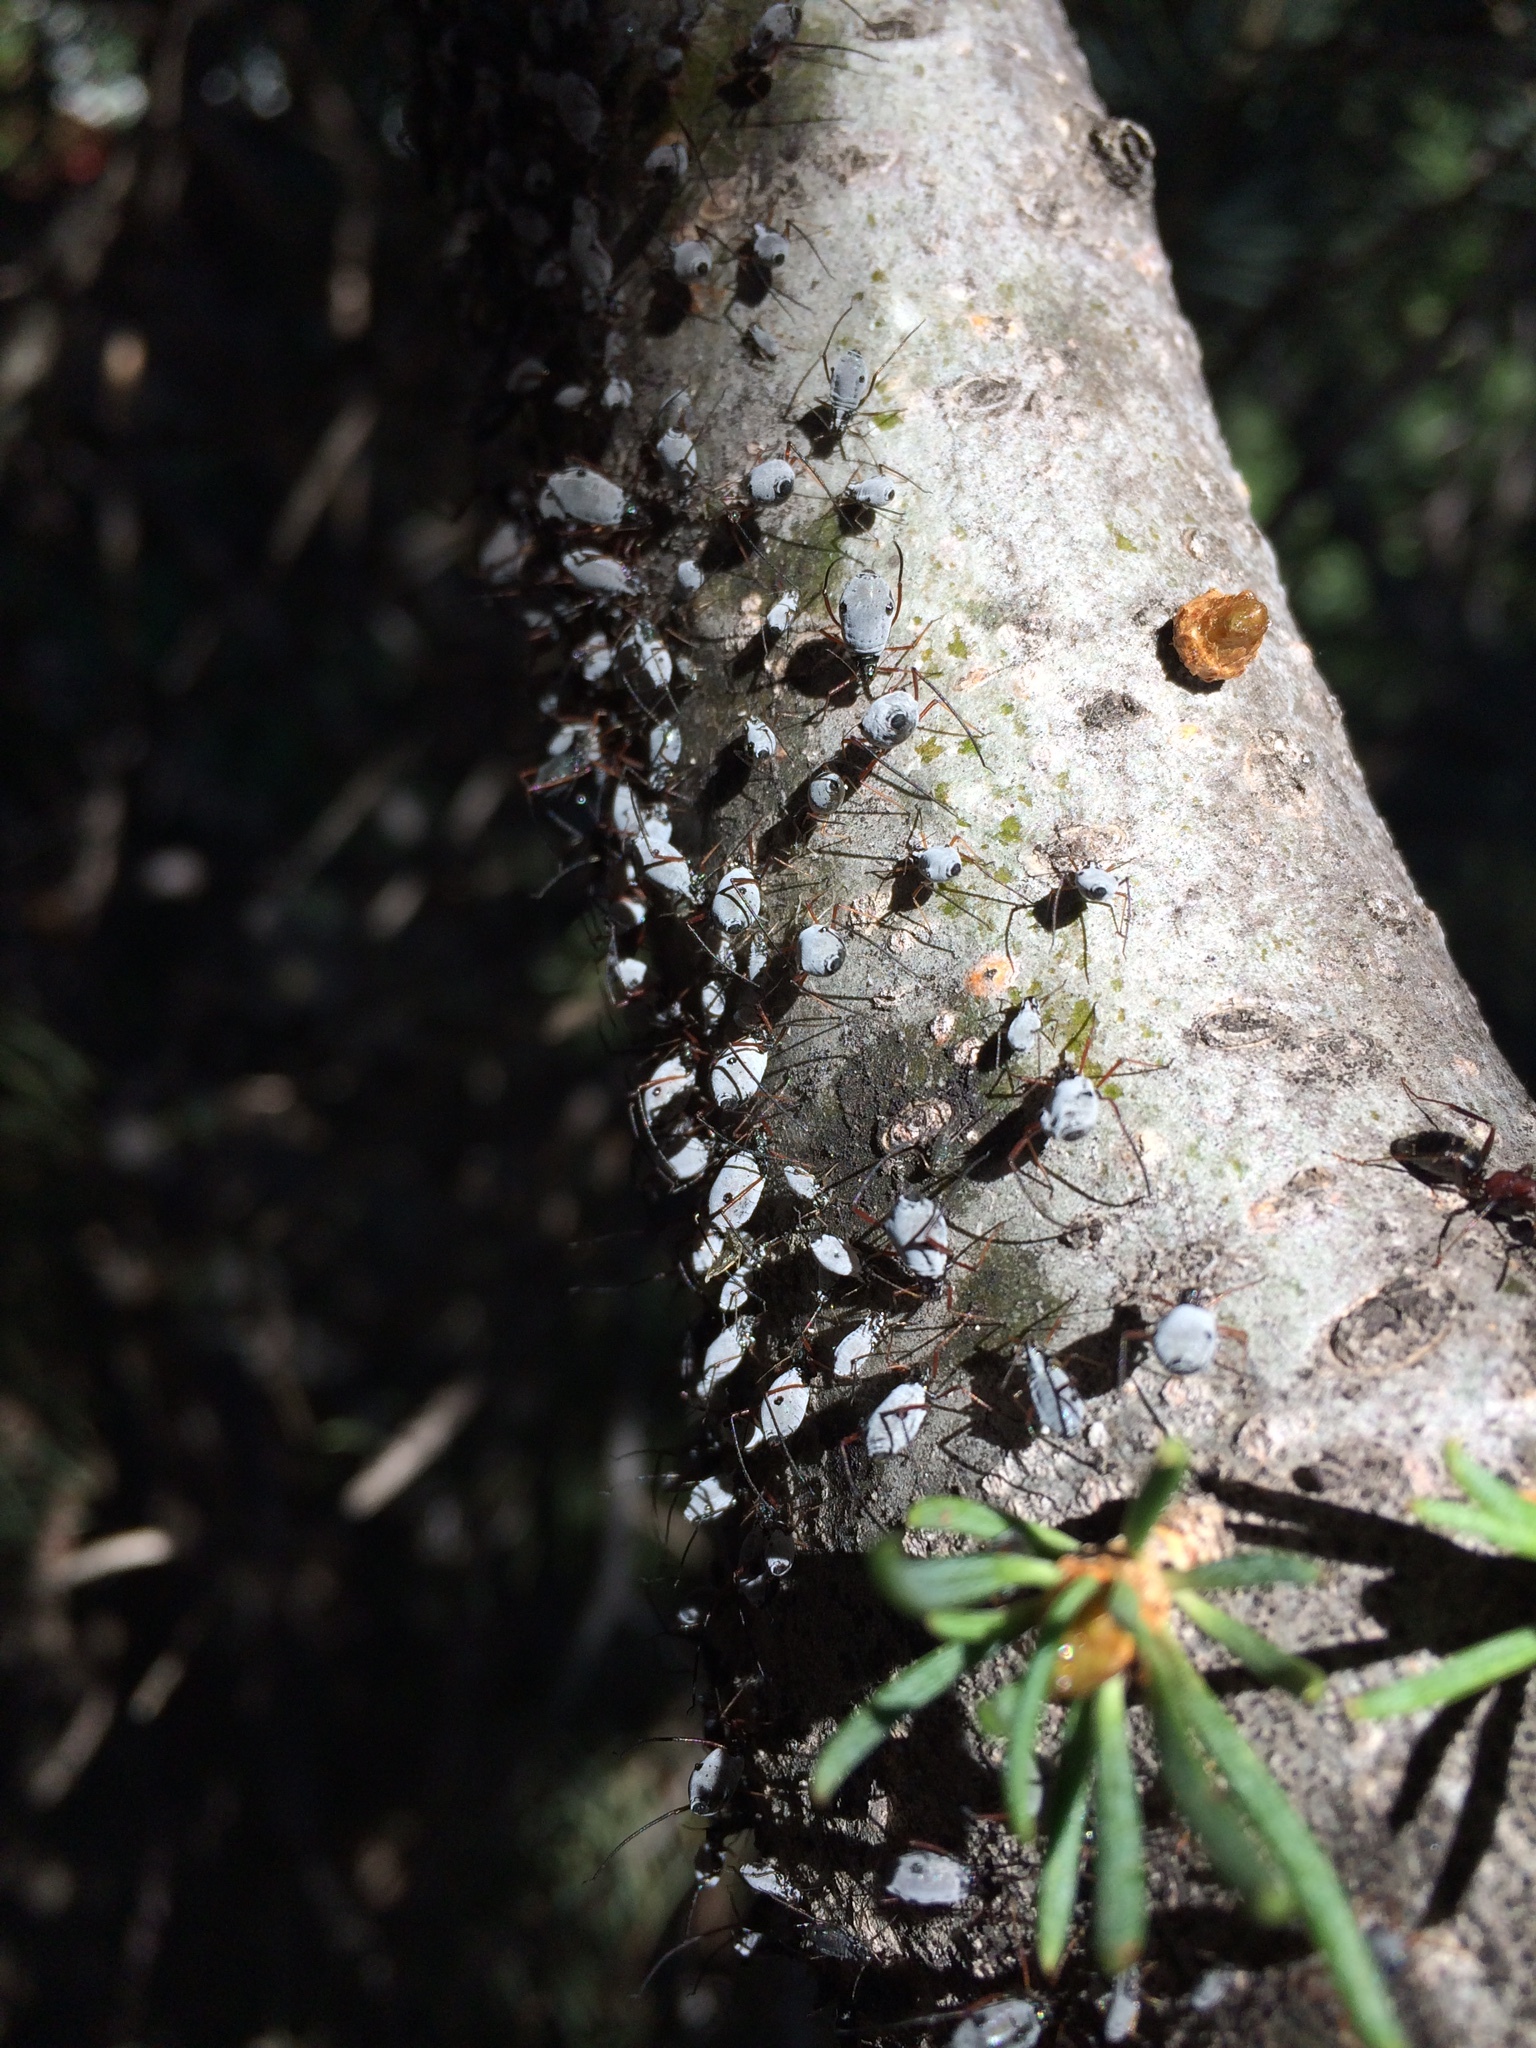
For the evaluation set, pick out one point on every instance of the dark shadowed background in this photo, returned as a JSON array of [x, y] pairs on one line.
[[307, 1120]]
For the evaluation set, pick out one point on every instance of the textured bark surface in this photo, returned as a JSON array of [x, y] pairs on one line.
[[1062, 489]]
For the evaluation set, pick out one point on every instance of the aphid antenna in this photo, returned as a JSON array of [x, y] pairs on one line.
[[822, 358], [844, 49], [892, 778], [970, 731], [729, 1929], [634, 1834], [809, 243], [895, 352]]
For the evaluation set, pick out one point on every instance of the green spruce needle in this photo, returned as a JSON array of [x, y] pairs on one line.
[[1119, 1860], [1456, 1677]]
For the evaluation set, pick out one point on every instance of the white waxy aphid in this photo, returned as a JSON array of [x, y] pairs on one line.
[[707, 1500], [1124, 2008], [714, 1778], [865, 611], [785, 1406], [825, 791], [705, 1258], [689, 1160], [625, 976], [723, 1356], [894, 1425], [660, 861], [737, 1073], [768, 1882], [890, 719], [690, 261], [819, 950], [647, 654], [847, 385], [572, 397], [593, 657], [582, 496], [766, 344], [624, 812], [769, 248], [687, 579], [1095, 885], [589, 259], [833, 1255], [618, 394], [775, 27], [1072, 1111], [771, 482], [761, 741], [757, 956], [802, 1182], [526, 376], [669, 1081], [1057, 1404], [1010, 2023], [852, 1351], [599, 573], [712, 1001], [504, 551], [781, 614], [668, 160], [735, 1295], [877, 492], [937, 863], [1023, 1027], [669, 60], [924, 1877], [919, 1230], [627, 913], [737, 901], [677, 454], [1185, 1339], [664, 746], [735, 1191]]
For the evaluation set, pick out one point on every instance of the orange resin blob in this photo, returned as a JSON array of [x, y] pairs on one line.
[[1217, 635], [1096, 1646]]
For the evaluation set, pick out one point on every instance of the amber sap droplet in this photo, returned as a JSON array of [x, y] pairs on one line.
[[1092, 1650], [1217, 635]]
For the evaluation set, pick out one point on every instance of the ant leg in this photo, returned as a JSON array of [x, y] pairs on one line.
[[1127, 1339]]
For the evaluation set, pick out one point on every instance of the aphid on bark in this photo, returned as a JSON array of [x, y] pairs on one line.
[[583, 497], [713, 1782], [926, 1877], [819, 951], [722, 1356], [601, 575], [737, 1072], [707, 1500], [894, 1425], [784, 1408], [889, 720], [835, 1255], [735, 1192], [690, 261], [763, 343], [687, 580], [737, 901], [1186, 1337], [849, 385], [919, 1231], [1216, 636], [759, 742], [866, 612], [1007, 2023], [854, 1350], [668, 160], [771, 481], [678, 455]]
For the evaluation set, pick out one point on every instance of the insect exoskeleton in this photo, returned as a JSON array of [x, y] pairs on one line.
[[646, 655], [1095, 884], [894, 1425], [889, 720], [678, 456], [864, 614], [851, 1352], [776, 27], [847, 386], [1185, 1339], [871, 493], [601, 574], [737, 901], [759, 742], [1216, 636], [1057, 1404], [724, 1355], [819, 951], [1073, 1109], [763, 343], [1022, 1031], [834, 1255], [584, 497], [707, 1501], [668, 159], [785, 1406], [691, 261], [687, 579], [735, 1191], [771, 481], [825, 792], [736, 1073], [668, 1082], [713, 1782], [663, 748], [937, 864], [919, 1230], [770, 249]]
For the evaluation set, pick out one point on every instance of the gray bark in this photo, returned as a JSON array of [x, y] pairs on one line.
[[1279, 981]]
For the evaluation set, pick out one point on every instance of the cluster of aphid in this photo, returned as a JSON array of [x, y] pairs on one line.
[[805, 1283]]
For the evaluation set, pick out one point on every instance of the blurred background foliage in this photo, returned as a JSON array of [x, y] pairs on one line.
[[307, 1121], [1347, 192]]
